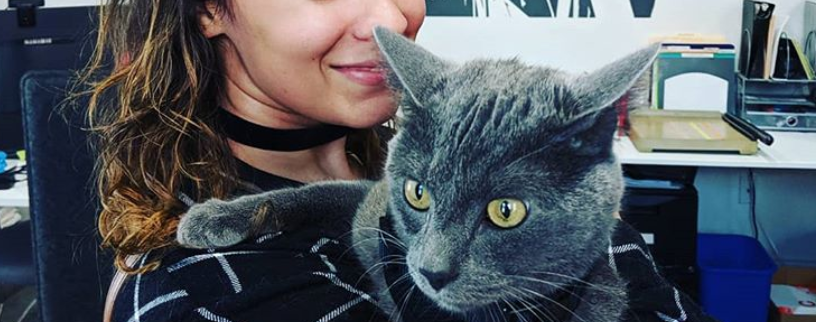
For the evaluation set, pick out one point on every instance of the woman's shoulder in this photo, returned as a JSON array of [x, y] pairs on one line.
[[295, 276]]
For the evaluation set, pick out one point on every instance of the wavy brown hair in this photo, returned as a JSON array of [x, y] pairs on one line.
[[154, 84]]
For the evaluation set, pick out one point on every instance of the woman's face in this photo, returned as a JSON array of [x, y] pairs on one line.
[[296, 63]]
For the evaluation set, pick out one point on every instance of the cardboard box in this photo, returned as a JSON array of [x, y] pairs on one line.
[[796, 276]]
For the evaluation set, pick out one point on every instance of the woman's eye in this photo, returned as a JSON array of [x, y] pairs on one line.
[[417, 196], [506, 213]]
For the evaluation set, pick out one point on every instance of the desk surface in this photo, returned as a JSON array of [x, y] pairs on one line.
[[17, 196], [791, 150]]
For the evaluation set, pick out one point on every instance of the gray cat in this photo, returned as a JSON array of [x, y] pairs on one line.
[[500, 184]]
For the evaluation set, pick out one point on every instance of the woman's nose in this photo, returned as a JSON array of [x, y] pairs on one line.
[[385, 13]]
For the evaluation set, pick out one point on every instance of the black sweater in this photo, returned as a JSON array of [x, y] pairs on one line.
[[308, 276]]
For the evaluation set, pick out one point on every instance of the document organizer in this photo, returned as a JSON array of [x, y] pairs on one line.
[[770, 103], [777, 104]]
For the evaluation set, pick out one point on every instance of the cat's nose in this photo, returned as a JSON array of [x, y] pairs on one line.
[[438, 280]]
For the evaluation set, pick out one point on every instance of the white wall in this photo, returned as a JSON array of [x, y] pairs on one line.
[[579, 44], [575, 44]]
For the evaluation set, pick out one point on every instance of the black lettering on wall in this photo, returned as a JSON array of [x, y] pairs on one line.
[[531, 8]]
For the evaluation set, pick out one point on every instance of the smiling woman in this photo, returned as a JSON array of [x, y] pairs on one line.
[[189, 75], [314, 64]]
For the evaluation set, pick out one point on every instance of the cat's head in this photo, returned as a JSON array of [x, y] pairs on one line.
[[503, 182]]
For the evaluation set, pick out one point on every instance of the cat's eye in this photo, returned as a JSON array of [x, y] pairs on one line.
[[506, 213], [417, 195]]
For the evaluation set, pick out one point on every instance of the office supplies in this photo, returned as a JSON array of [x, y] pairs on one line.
[[756, 24], [811, 73], [791, 62], [794, 300], [776, 33], [810, 32], [694, 76], [9, 216], [686, 131], [750, 131], [777, 104]]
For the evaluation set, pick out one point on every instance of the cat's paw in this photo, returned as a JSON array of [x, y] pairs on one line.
[[213, 224]]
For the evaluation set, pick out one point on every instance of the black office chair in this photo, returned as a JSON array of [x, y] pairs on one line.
[[72, 272], [16, 260]]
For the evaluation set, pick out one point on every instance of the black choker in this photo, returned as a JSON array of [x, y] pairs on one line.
[[261, 137]]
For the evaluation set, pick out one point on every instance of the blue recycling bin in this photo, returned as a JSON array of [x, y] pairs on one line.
[[735, 277]]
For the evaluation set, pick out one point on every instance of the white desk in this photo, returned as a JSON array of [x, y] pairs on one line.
[[784, 182], [790, 150], [17, 196]]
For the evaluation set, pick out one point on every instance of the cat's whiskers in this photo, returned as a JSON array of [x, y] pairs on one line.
[[388, 236], [397, 260], [589, 285], [385, 236], [539, 295], [363, 241], [562, 286], [404, 302], [494, 314], [500, 311], [526, 306], [401, 279], [533, 307]]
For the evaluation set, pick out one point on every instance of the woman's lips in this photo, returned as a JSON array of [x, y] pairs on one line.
[[367, 74]]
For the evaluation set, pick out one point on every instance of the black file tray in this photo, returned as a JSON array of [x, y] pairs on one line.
[[777, 104]]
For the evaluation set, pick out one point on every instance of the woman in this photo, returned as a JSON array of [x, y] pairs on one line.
[[284, 65], [215, 98]]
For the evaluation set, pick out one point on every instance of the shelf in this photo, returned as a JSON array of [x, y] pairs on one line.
[[753, 100]]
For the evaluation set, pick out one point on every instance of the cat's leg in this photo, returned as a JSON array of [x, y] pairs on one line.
[[218, 223]]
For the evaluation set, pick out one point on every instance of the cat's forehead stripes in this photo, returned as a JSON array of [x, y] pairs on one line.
[[488, 103], [509, 87]]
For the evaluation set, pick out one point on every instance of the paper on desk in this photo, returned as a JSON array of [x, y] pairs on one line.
[[779, 23], [696, 92], [796, 300], [9, 217]]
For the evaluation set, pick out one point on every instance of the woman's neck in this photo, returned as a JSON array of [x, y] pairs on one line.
[[325, 162]]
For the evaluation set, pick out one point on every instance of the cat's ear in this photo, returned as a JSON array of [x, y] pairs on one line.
[[598, 90], [595, 94], [411, 68]]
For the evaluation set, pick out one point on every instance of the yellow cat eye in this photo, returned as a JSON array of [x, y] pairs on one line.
[[417, 195], [506, 213]]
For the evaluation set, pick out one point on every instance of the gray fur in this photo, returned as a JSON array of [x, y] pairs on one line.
[[472, 133]]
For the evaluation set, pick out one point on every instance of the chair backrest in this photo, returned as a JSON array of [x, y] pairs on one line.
[[72, 272]]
